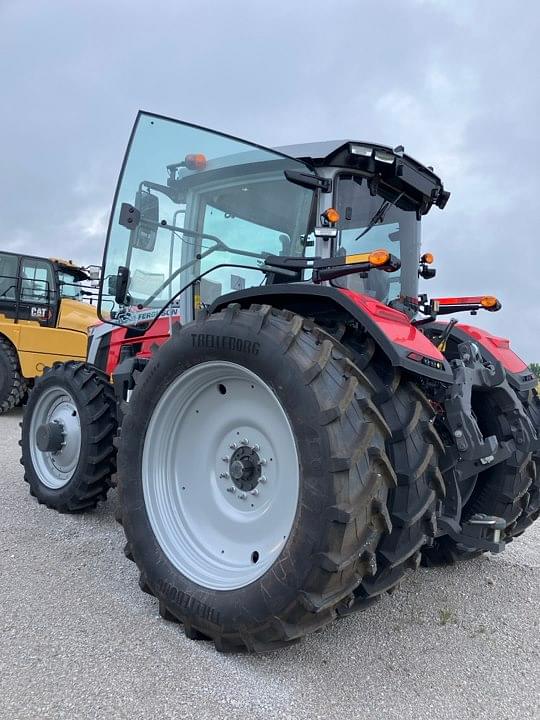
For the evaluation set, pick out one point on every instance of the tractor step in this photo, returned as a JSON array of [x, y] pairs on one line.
[[480, 532]]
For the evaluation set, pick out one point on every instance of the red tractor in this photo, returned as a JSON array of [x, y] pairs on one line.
[[310, 430]]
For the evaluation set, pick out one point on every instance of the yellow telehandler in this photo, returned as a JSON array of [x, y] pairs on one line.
[[45, 311]]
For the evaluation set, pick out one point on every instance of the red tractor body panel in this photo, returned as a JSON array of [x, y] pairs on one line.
[[122, 345], [395, 325], [110, 344], [498, 347]]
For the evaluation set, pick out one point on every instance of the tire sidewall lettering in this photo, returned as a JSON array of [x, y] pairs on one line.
[[233, 343]]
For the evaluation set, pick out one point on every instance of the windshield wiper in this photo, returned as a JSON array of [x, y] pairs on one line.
[[379, 215]]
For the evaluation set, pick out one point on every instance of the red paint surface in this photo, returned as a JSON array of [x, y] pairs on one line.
[[395, 325], [497, 346], [156, 335]]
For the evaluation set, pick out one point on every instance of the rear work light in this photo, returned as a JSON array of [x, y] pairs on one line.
[[361, 150]]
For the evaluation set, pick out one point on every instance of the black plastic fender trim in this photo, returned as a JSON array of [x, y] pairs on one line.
[[314, 301]]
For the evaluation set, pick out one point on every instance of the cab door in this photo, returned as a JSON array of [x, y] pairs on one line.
[[38, 294], [9, 276]]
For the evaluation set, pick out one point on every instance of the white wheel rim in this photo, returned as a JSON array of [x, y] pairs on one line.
[[55, 469], [222, 522]]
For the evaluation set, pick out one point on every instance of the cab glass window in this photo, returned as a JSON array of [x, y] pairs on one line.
[[8, 276], [396, 230], [37, 281], [203, 206]]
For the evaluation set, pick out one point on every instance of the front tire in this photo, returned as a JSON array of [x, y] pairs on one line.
[[325, 456], [68, 428]]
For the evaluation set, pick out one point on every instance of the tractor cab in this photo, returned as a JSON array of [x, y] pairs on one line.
[[199, 215]]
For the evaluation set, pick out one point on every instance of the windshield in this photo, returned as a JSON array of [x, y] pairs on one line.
[[192, 203], [70, 286], [397, 230]]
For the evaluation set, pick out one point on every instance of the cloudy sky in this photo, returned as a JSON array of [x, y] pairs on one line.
[[455, 81]]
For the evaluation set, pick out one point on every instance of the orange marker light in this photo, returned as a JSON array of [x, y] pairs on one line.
[[196, 161], [379, 257], [489, 301], [332, 215], [427, 259]]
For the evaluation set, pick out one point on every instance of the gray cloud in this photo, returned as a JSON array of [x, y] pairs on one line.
[[456, 83]]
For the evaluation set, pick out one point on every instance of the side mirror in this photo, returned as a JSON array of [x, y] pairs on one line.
[[142, 219], [121, 285], [94, 272], [111, 285], [144, 235], [117, 285]]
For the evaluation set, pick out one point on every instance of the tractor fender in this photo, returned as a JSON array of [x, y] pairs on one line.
[[495, 350], [404, 344]]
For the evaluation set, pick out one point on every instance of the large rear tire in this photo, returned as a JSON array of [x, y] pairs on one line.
[[509, 490], [414, 448], [245, 563], [68, 428], [531, 509], [12, 383]]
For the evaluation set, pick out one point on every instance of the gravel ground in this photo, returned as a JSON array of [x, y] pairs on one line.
[[79, 640]]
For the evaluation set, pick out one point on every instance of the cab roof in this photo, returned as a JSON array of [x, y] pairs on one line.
[[390, 165], [69, 266]]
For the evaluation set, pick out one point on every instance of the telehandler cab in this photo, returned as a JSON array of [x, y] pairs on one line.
[[44, 317], [311, 430]]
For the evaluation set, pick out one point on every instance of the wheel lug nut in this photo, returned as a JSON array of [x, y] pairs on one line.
[[224, 476], [262, 461], [242, 496], [245, 441], [256, 447], [233, 446], [255, 492], [262, 479], [231, 489], [225, 458]]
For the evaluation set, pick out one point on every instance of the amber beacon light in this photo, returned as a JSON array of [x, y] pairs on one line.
[[331, 215], [379, 257]]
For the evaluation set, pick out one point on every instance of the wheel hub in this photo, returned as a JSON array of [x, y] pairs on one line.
[[245, 468], [56, 432], [50, 437]]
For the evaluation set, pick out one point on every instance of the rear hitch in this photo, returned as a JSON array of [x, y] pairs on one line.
[[480, 532]]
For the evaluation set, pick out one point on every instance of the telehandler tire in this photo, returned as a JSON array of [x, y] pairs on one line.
[[12, 383], [509, 490], [252, 477], [68, 428]]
